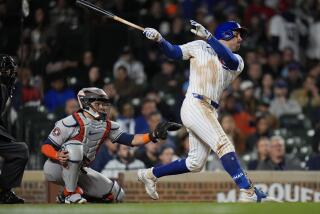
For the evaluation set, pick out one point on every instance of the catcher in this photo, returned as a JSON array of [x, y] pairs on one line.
[[73, 144]]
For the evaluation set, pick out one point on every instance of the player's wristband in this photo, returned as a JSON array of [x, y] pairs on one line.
[[146, 138]]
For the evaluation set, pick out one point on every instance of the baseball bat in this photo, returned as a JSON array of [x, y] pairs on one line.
[[108, 14]]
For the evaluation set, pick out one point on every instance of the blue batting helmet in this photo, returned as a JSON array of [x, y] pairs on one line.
[[225, 31]]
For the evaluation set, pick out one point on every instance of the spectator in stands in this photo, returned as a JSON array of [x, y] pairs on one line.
[[308, 95], [147, 107], [155, 15], [285, 30], [124, 161], [257, 7], [248, 101], [293, 76], [166, 155], [110, 89], [126, 118], [183, 145], [234, 135], [149, 156], [265, 91], [26, 93], [124, 86], [167, 81], [314, 160], [235, 89], [135, 68], [62, 13], [86, 63], [152, 65], [72, 105], [313, 51], [281, 105], [261, 153], [263, 130], [243, 119], [155, 118], [95, 78], [254, 71], [165, 106], [177, 34], [277, 159], [58, 94], [107, 152], [39, 38], [273, 65]]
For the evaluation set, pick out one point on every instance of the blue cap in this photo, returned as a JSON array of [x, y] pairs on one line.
[[225, 30]]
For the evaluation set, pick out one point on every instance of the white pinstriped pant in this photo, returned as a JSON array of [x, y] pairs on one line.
[[205, 132]]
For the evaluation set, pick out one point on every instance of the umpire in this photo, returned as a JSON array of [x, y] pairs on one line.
[[14, 155]]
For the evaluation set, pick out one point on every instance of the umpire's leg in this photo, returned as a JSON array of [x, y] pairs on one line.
[[15, 155]]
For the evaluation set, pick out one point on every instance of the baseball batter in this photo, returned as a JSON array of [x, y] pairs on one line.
[[73, 144], [213, 66]]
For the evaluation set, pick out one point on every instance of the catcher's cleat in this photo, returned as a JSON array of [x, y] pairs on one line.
[[149, 180], [60, 198], [75, 199], [255, 195]]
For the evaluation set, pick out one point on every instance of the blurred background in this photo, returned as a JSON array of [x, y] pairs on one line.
[[271, 112]]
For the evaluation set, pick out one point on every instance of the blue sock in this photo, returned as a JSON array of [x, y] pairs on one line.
[[173, 168], [232, 166]]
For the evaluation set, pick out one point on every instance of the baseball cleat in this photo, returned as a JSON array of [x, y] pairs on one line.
[[75, 199], [255, 195], [149, 180]]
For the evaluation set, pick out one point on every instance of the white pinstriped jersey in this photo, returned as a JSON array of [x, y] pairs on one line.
[[208, 76]]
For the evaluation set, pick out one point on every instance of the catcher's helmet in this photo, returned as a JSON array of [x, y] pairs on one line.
[[87, 96], [8, 71], [225, 31]]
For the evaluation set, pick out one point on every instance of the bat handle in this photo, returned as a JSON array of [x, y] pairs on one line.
[[117, 18]]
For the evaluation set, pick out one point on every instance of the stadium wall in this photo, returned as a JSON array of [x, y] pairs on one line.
[[205, 186]]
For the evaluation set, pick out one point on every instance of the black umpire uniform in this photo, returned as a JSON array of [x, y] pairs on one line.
[[13, 155]]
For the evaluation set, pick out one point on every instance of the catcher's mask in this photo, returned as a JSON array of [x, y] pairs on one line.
[[228, 30], [8, 72], [95, 102]]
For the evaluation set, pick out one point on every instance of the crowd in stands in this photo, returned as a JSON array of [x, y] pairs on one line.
[[271, 112]]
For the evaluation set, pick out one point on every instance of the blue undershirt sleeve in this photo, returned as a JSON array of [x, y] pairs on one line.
[[124, 139], [224, 53], [171, 51], [50, 142]]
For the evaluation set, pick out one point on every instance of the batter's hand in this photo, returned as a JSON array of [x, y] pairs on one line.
[[199, 30], [152, 34], [161, 131], [63, 158]]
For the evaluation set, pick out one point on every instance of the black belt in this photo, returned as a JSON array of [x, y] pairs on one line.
[[201, 97]]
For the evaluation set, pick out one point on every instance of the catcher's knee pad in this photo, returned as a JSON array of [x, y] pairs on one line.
[[70, 175], [117, 192], [224, 146], [194, 165]]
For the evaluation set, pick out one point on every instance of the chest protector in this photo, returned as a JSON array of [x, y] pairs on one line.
[[92, 134]]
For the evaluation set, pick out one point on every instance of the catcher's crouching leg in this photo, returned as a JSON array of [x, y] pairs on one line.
[[70, 175], [115, 195]]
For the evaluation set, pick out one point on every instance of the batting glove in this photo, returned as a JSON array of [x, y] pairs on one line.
[[152, 34], [161, 130], [199, 30]]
